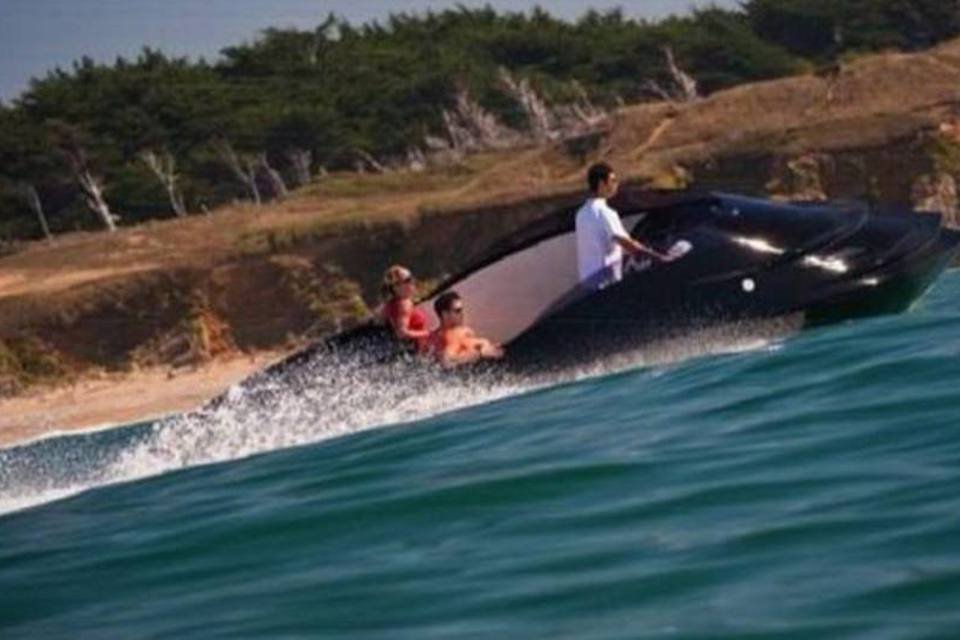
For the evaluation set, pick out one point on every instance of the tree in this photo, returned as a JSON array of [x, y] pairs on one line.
[[719, 50], [25, 163], [73, 143], [823, 29], [243, 166], [163, 165], [807, 28], [167, 134]]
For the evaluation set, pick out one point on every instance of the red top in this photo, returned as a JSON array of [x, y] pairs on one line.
[[416, 322]]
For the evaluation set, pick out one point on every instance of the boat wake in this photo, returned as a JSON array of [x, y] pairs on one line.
[[328, 398]]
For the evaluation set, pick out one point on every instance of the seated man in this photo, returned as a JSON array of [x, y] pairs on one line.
[[454, 343]]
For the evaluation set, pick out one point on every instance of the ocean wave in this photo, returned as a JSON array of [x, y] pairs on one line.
[[331, 398]]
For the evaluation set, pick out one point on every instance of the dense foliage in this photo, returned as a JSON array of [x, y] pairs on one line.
[[158, 136]]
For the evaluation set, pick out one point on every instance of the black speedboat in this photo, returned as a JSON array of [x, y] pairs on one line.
[[748, 259]]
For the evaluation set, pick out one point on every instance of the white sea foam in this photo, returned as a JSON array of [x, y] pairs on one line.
[[329, 398], [324, 401]]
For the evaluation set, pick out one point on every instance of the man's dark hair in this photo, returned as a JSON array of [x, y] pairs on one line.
[[445, 301], [598, 174]]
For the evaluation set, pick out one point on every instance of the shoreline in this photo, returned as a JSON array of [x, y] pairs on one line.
[[115, 400]]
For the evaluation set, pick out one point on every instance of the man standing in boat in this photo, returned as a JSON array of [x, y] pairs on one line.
[[601, 238]]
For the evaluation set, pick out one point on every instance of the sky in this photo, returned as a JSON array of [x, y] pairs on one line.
[[39, 35]]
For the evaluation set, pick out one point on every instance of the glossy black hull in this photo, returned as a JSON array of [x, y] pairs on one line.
[[908, 252], [903, 282]]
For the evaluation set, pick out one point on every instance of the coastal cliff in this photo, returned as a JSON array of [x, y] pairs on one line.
[[882, 128]]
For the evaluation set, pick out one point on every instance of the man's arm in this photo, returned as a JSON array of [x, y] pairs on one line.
[[468, 348], [611, 219], [636, 248], [454, 355]]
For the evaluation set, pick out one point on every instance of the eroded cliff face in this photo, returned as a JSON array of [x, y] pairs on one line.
[[882, 129], [914, 172]]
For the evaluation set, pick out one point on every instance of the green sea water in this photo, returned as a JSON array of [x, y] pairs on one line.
[[736, 486]]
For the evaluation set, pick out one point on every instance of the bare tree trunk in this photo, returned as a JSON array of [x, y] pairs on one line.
[[93, 192], [279, 187], [470, 128], [656, 89], [539, 117], [416, 160], [300, 160], [90, 185], [33, 199], [585, 111], [163, 166], [245, 169], [686, 85], [683, 87], [365, 161], [252, 182]]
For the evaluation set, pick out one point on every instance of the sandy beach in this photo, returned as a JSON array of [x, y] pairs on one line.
[[117, 399]]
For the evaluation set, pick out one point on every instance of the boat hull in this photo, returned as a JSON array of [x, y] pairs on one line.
[[751, 259]]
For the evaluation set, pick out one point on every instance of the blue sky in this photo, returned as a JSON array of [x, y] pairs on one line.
[[38, 35]]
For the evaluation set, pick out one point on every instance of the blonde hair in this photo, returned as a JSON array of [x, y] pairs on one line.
[[393, 276]]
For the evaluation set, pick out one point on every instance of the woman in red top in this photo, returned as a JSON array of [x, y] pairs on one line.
[[399, 312]]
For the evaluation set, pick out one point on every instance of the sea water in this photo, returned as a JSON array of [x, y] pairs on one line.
[[743, 483]]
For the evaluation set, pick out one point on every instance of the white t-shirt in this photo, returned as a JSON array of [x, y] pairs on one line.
[[598, 256]]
